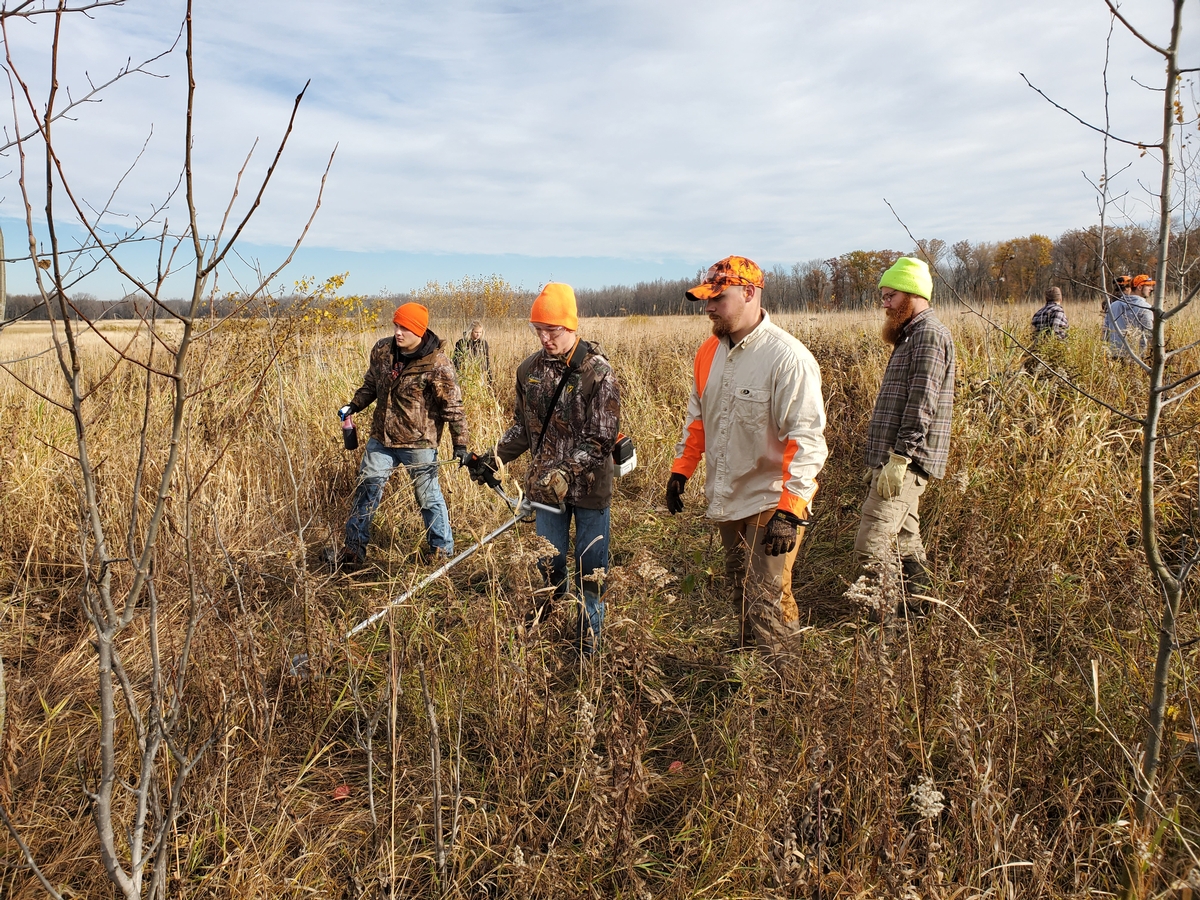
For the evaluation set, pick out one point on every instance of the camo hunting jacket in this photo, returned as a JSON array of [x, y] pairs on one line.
[[581, 433], [414, 397]]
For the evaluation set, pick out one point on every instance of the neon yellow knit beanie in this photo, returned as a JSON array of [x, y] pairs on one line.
[[910, 276]]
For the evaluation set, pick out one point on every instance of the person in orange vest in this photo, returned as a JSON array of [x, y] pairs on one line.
[[757, 418]]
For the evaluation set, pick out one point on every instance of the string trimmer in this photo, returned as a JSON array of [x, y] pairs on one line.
[[522, 508]]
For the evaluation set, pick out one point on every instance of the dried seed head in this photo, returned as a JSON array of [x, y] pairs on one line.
[[654, 575], [926, 799], [878, 589]]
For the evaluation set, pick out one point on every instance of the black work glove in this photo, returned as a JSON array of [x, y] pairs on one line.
[[483, 469], [781, 533], [347, 410], [463, 455], [675, 485]]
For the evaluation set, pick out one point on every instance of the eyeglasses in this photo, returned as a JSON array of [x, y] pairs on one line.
[[549, 332], [887, 295]]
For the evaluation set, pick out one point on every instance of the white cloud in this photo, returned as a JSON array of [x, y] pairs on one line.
[[667, 131]]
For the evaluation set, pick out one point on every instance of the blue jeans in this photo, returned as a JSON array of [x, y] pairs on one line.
[[377, 465], [591, 553]]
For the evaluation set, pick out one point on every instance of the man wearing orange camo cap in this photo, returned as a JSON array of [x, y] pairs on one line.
[[412, 384], [757, 418], [567, 415]]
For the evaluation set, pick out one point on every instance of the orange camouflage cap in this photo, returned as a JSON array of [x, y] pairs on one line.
[[732, 270], [1140, 280]]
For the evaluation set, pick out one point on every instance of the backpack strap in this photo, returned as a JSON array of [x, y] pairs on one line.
[[574, 363]]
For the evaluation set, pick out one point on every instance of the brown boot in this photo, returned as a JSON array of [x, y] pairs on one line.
[[919, 593]]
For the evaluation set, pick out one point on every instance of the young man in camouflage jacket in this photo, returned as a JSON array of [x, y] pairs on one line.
[[571, 460], [412, 384]]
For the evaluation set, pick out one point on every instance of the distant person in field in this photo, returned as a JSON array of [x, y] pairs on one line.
[[1051, 319], [757, 416], [1122, 285], [1128, 321], [908, 440], [412, 384], [567, 415], [471, 348]]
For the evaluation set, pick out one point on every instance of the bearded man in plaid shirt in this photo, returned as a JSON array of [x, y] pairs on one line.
[[1051, 319], [908, 440]]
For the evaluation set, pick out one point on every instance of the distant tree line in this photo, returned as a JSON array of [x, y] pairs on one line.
[[85, 306], [1006, 271]]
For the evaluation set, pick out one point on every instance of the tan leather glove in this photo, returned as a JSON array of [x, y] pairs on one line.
[[891, 479]]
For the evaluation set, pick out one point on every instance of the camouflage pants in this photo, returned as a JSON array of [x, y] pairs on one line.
[[760, 584]]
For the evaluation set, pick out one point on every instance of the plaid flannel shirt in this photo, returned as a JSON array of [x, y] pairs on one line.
[[912, 411], [1051, 318]]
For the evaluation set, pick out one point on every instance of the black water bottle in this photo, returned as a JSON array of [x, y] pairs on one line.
[[349, 434]]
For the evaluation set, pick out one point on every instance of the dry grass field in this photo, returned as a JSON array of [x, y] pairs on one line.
[[988, 752]]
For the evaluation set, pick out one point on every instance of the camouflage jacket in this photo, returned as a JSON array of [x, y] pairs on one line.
[[580, 435], [414, 395]]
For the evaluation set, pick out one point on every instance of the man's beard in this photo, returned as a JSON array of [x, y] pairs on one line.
[[721, 327], [895, 319]]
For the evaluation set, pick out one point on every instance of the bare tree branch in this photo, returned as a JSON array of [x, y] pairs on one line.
[[127, 70], [219, 254], [27, 854], [20, 11], [1129, 27], [996, 325], [1096, 128]]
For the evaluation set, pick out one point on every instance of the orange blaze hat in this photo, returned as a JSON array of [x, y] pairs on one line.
[[1122, 280], [555, 305], [1141, 280], [414, 317], [731, 270]]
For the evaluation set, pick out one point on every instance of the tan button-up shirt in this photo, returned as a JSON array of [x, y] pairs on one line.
[[757, 416]]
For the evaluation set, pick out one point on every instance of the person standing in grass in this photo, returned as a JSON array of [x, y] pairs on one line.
[[412, 384], [757, 417], [1128, 321], [1051, 319], [567, 415], [1122, 286], [908, 440], [472, 349]]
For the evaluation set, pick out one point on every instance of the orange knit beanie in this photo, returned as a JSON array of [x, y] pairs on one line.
[[414, 317], [555, 305]]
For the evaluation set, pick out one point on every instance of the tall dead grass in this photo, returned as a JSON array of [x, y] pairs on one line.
[[984, 754]]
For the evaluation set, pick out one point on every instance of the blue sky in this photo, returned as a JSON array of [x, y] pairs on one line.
[[594, 142]]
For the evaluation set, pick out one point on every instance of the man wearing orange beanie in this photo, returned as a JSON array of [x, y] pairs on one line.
[[412, 384], [567, 415]]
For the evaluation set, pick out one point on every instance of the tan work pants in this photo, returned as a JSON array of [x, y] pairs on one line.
[[760, 585], [888, 525]]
